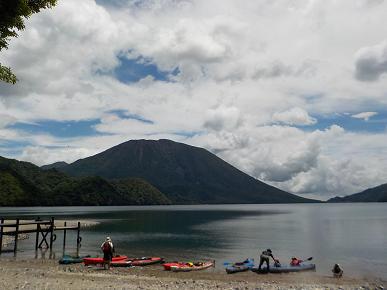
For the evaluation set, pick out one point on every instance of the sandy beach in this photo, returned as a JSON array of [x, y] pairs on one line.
[[48, 274]]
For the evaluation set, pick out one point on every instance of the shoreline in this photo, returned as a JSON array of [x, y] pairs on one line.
[[48, 274]]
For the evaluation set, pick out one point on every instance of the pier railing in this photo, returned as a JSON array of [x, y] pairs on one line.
[[44, 233]]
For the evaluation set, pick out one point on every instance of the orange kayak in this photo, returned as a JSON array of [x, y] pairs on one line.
[[167, 266], [187, 267]]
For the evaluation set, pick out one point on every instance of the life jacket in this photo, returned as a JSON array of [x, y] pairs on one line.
[[295, 262], [106, 248]]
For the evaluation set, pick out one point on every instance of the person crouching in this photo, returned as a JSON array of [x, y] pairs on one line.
[[265, 258], [337, 271]]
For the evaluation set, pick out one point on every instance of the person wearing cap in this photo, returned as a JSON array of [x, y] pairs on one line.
[[265, 258], [108, 250]]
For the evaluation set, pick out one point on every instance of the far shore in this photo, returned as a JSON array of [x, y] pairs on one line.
[[48, 274]]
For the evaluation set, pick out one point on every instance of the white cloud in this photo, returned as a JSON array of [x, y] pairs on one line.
[[6, 120], [371, 62], [294, 116], [364, 115], [41, 155], [223, 118]]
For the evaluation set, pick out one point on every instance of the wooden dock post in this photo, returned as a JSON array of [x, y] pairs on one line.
[[37, 234], [52, 232], [1, 236], [78, 238], [64, 238], [52, 223], [16, 236]]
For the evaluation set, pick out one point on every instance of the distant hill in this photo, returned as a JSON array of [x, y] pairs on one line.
[[185, 174], [56, 165], [375, 194], [24, 184]]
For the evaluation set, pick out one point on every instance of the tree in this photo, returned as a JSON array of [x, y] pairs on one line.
[[12, 16]]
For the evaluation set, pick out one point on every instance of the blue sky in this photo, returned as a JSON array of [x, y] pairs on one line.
[[376, 124], [133, 70], [71, 129], [62, 129]]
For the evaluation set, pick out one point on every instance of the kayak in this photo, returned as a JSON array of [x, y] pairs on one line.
[[286, 268], [96, 261], [145, 261], [121, 263], [187, 267], [167, 266], [129, 262], [240, 266], [67, 259]]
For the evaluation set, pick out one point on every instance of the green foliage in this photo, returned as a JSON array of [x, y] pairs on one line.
[[24, 184], [12, 15], [136, 190], [375, 194], [6, 75]]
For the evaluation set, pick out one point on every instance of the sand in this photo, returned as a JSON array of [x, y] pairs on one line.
[[48, 274]]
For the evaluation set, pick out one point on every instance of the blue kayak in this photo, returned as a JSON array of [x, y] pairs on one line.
[[240, 266], [305, 266], [67, 259]]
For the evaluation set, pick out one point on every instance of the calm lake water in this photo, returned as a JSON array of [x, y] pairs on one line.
[[354, 235]]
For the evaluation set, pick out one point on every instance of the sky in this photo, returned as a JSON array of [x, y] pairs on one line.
[[293, 93]]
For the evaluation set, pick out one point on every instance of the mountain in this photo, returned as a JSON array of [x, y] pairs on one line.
[[56, 165], [375, 194], [185, 174], [24, 184]]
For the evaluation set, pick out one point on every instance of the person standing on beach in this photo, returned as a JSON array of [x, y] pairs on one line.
[[108, 250], [265, 258]]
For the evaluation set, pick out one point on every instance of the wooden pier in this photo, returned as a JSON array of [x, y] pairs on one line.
[[44, 233]]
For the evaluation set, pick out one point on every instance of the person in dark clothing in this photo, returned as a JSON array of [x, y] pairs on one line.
[[337, 271], [265, 258], [108, 250]]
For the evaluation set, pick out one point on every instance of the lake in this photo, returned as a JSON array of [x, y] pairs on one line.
[[354, 235]]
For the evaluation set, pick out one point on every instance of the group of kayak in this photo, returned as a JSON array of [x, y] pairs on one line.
[[231, 267], [125, 261], [277, 267]]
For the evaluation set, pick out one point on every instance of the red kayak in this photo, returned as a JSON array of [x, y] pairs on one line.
[[167, 266], [145, 261], [96, 261], [121, 263]]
